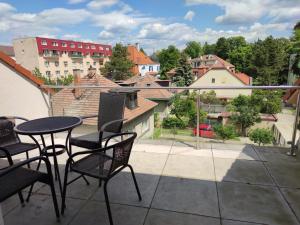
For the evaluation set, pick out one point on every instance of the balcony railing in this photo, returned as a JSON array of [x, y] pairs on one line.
[[76, 56], [51, 55], [198, 103]]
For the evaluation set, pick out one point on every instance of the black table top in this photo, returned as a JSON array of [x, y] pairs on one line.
[[48, 125]]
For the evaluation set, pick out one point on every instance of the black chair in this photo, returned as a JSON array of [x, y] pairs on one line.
[[110, 121], [15, 178], [102, 164], [10, 141]]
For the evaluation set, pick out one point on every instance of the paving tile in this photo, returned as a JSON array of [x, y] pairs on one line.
[[9, 204], [190, 151], [259, 204], [187, 195], [160, 217], [202, 145], [285, 174], [293, 198], [96, 213], [165, 149], [276, 155], [227, 146], [232, 222], [190, 167], [245, 171], [40, 211], [123, 183], [246, 153]]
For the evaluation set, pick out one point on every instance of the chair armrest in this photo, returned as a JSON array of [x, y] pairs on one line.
[[117, 135], [87, 117], [104, 126], [8, 156], [26, 162]]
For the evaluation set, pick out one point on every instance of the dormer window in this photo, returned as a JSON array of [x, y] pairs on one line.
[[87, 47], [72, 45], [79, 45], [100, 48], [107, 49], [93, 47], [55, 44], [131, 97], [44, 42], [64, 44]]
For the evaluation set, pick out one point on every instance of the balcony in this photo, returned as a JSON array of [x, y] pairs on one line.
[[51, 56], [76, 56], [97, 56]]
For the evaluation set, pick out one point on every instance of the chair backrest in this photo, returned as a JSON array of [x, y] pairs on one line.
[[111, 107], [7, 134], [122, 150]]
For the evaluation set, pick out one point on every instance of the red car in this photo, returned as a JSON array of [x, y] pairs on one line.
[[205, 130]]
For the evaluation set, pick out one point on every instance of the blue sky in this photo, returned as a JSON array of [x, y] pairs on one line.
[[155, 24]]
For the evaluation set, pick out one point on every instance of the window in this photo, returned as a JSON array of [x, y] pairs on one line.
[[64, 44], [46, 63], [64, 52], [213, 80], [88, 63], [79, 45], [157, 68], [87, 47], [66, 72], [57, 73], [65, 63], [150, 68], [54, 44], [143, 67], [100, 48], [72, 45], [93, 47], [94, 63], [145, 126], [56, 63], [73, 63], [48, 73], [107, 49], [148, 85], [44, 42]]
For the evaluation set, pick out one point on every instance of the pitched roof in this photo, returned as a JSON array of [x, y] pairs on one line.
[[212, 61], [138, 57], [8, 50], [243, 77], [291, 93], [65, 103], [22, 71], [149, 81]]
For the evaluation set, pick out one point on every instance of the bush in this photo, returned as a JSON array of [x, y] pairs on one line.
[[173, 122], [261, 136], [225, 132]]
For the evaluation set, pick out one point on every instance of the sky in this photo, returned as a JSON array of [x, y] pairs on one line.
[[154, 24]]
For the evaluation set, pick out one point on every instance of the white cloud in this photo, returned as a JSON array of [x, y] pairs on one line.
[[71, 36], [106, 34], [99, 4], [75, 1], [189, 15]]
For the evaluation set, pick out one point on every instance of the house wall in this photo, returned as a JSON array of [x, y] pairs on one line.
[[162, 108], [221, 78], [19, 96], [142, 125], [143, 69]]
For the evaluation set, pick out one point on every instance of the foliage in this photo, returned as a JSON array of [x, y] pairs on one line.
[[224, 132], [156, 120], [193, 49], [209, 49], [154, 56], [240, 57], [173, 122], [222, 48], [119, 67], [183, 75], [156, 133], [267, 101], [296, 49], [143, 51], [244, 113], [209, 97], [65, 80], [261, 136], [168, 59]]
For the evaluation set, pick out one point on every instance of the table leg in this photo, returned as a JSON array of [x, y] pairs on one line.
[[56, 168], [1, 216]]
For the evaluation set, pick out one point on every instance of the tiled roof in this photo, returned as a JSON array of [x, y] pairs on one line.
[[22, 71], [243, 77], [8, 50], [289, 93], [149, 81], [218, 62], [65, 103], [138, 57]]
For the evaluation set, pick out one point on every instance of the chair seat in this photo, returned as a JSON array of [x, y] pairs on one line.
[[89, 141], [25, 177], [18, 148], [94, 165]]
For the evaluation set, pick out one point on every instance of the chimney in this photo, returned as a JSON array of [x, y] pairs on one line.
[[91, 72], [76, 75], [137, 45]]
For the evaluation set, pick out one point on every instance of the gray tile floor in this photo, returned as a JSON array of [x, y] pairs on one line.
[[218, 184]]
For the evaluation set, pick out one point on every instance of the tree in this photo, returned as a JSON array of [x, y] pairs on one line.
[[240, 58], [209, 49], [193, 49], [183, 75], [224, 132], [268, 101], [244, 114], [168, 59], [143, 51], [261, 136], [119, 67], [296, 49], [209, 97], [222, 48]]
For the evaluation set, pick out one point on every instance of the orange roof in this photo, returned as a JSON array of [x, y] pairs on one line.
[[23, 71], [291, 92], [212, 61], [138, 57], [65, 103], [149, 81], [8, 50]]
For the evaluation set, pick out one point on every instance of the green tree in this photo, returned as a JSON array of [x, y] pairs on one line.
[[267, 101], [222, 48], [236, 42], [244, 114], [240, 58], [193, 49], [209, 97], [168, 59], [261, 136], [296, 49], [209, 49], [183, 75], [225, 132], [143, 51], [119, 67]]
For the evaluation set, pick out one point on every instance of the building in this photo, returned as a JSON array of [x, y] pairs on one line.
[[20, 91], [291, 95], [142, 63], [161, 96], [139, 112], [222, 76], [8, 50], [202, 64], [54, 57]]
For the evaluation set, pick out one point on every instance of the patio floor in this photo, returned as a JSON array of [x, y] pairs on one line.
[[219, 184]]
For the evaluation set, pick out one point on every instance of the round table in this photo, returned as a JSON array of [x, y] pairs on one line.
[[50, 126]]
